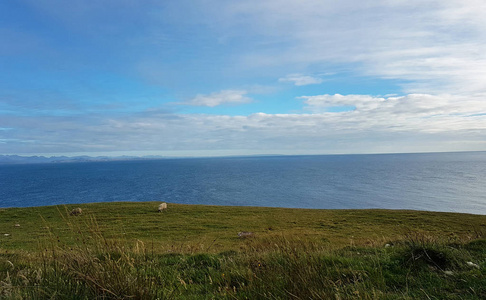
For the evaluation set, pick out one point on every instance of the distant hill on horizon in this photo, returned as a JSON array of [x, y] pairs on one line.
[[38, 159], [17, 159]]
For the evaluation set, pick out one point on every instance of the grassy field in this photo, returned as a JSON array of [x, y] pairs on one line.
[[129, 250]]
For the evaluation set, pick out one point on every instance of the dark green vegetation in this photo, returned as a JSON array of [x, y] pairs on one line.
[[128, 250]]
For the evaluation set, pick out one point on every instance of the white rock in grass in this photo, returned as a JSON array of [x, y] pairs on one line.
[[472, 265], [245, 234]]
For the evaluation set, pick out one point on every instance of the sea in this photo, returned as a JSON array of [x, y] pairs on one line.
[[449, 182]]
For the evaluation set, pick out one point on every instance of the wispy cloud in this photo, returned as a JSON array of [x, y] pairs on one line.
[[378, 124], [414, 112], [224, 97], [435, 47], [300, 79]]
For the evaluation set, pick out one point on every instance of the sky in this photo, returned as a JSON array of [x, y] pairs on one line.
[[247, 77]]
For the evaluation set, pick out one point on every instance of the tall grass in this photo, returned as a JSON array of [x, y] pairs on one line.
[[91, 266]]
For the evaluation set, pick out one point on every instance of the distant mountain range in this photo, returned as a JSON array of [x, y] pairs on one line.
[[16, 159]]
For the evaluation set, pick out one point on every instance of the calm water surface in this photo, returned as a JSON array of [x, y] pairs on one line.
[[438, 182]]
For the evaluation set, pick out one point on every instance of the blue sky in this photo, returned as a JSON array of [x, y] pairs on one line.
[[208, 77]]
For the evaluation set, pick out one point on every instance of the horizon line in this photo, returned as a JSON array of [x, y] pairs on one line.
[[162, 156]]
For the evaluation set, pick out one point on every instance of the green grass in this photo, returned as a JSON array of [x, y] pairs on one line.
[[128, 250]]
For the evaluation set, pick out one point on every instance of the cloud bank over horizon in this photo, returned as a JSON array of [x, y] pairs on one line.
[[246, 77]]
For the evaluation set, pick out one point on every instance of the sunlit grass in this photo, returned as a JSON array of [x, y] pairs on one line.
[[128, 250]]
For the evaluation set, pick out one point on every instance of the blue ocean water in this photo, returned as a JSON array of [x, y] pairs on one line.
[[437, 181]]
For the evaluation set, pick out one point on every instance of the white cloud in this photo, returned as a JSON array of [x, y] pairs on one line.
[[433, 47], [223, 97], [410, 123], [417, 113], [300, 79]]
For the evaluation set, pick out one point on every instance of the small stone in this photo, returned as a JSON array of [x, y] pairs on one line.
[[473, 265], [387, 245], [450, 273], [17, 225], [245, 234], [7, 234]]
